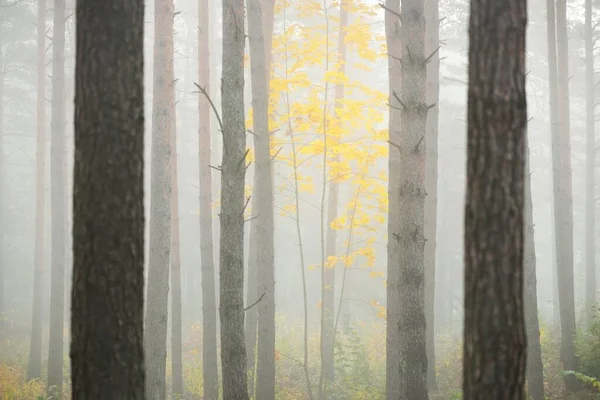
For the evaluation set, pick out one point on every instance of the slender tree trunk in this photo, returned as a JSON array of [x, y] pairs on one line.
[[265, 382], [233, 171], [209, 307], [57, 144], [160, 203], [494, 333], [34, 366], [107, 358], [328, 306], [394, 45], [432, 44], [2, 283], [590, 215], [176, 312], [563, 212], [535, 368]]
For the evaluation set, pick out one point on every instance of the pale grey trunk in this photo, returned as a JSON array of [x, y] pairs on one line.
[[590, 216], [34, 367], [535, 368], [155, 341], [431, 166], [209, 307], [57, 163], [563, 212], [233, 171], [2, 283]]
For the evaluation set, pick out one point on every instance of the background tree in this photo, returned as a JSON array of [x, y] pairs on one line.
[[108, 223], [494, 342]]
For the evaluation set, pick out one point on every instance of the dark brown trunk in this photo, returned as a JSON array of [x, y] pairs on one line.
[[107, 359], [494, 334], [57, 198], [209, 307], [155, 340], [233, 171]]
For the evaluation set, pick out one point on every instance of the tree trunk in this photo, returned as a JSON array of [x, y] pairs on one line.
[[563, 212], [57, 144], [265, 273], [432, 44], [2, 264], [107, 358], [495, 342], [209, 307], [394, 46], [176, 312], [233, 171], [160, 203], [590, 216], [34, 366]]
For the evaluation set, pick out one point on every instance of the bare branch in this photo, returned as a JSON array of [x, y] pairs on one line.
[[256, 302], [397, 14], [205, 93]]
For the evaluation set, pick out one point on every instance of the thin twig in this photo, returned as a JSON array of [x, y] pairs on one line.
[[205, 93], [256, 302]]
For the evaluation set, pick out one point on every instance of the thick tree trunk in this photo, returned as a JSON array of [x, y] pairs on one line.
[[209, 307], [265, 273], [563, 212], [160, 203], [495, 335], [431, 166], [107, 358], [34, 366], [57, 153], [590, 215], [176, 312], [233, 171], [535, 368], [394, 45]]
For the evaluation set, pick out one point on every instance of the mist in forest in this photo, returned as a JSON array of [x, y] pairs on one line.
[[311, 199]]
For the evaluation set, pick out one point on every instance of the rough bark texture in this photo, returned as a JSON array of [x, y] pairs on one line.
[[535, 368], [176, 312], [209, 307], [160, 203], [431, 166], [34, 365], [265, 374], [394, 46], [57, 199], [231, 309], [563, 212], [590, 215], [407, 201], [494, 333], [107, 359]]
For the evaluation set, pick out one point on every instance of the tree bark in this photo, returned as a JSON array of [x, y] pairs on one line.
[[57, 153], [432, 44], [590, 198], [176, 312], [34, 366], [535, 368], [160, 203], [563, 212], [107, 358], [209, 307], [265, 374], [494, 334], [394, 46], [233, 171]]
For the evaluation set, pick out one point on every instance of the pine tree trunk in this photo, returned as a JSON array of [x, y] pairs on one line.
[[155, 341], [590, 198], [57, 154], [563, 212], [176, 312], [2, 263], [209, 307], [233, 171], [431, 166], [34, 366], [107, 358], [495, 336]]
